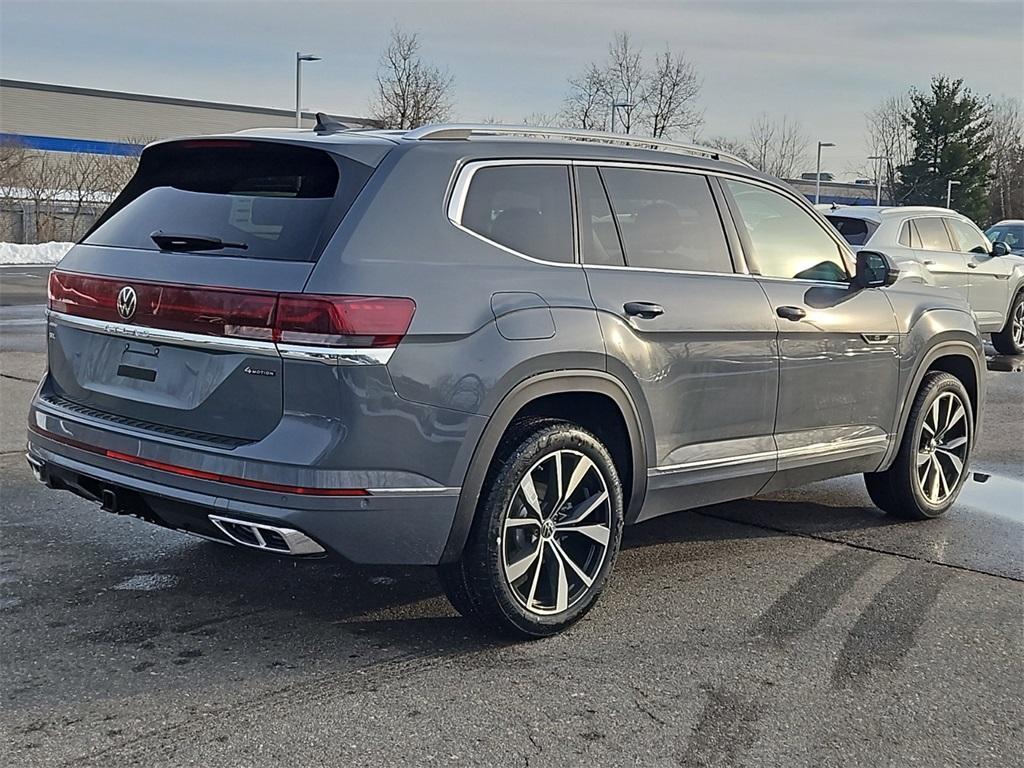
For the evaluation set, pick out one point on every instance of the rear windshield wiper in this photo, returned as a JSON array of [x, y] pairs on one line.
[[173, 242]]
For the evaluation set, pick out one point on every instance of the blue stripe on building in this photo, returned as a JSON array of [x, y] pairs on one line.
[[58, 144]]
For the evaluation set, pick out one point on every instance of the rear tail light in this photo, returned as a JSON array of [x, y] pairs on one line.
[[354, 321], [296, 318]]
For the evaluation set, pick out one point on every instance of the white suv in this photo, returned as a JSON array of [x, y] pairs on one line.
[[941, 247]]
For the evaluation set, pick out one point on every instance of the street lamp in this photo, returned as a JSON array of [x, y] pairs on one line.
[[817, 173], [299, 58], [618, 105], [878, 176], [949, 190]]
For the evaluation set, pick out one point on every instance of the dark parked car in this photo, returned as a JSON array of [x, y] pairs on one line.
[[484, 349]]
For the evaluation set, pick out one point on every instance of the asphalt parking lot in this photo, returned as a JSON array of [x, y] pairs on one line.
[[800, 629]]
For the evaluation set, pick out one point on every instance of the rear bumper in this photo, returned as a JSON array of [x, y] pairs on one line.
[[402, 526]]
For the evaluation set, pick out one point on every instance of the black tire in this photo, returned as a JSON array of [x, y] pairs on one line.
[[490, 582], [1010, 340], [916, 489]]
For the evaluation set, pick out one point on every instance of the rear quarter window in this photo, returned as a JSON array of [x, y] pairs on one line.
[[267, 200], [526, 208]]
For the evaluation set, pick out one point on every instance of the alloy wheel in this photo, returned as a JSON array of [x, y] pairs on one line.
[[942, 448], [1017, 325], [556, 532]]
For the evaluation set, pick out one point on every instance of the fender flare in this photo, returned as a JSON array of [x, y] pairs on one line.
[[943, 349], [521, 395]]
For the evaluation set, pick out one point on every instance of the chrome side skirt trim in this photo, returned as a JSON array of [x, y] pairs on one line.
[[816, 449], [327, 355], [428, 490]]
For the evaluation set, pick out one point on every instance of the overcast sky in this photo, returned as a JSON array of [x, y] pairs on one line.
[[824, 63]]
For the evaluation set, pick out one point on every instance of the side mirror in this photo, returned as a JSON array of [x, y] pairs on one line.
[[999, 248], [874, 270]]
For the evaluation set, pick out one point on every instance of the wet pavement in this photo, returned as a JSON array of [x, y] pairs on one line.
[[800, 629]]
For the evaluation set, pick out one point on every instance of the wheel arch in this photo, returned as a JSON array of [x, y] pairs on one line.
[[553, 394], [959, 357]]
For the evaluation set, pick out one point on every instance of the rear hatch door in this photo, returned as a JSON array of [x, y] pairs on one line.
[[163, 317]]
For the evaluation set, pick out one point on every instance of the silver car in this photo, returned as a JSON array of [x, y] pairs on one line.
[[943, 248]]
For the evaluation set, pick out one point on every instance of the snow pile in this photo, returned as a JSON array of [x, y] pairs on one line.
[[41, 253]]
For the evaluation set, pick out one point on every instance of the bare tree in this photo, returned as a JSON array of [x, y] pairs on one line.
[[587, 104], [410, 92], [622, 93], [732, 146], [543, 119], [777, 146], [888, 135], [626, 82], [672, 89], [82, 181], [1007, 152]]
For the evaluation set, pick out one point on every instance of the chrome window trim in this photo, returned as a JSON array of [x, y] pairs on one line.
[[815, 449], [327, 355], [661, 270], [463, 176], [460, 191]]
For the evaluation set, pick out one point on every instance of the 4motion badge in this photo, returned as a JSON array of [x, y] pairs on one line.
[[258, 371]]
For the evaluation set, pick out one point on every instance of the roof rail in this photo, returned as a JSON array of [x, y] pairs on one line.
[[460, 131]]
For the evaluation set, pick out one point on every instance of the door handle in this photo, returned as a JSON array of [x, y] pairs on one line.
[[928, 263], [791, 313], [971, 265], [645, 310]]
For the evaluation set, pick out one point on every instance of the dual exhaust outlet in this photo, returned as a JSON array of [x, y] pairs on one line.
[[269, 538]]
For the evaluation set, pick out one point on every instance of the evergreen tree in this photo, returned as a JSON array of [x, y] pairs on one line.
[[951, 130]]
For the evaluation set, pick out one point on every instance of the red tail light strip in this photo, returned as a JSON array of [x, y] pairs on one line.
[[351, 322], [198, 473]]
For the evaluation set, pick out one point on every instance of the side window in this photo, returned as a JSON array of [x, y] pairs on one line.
[[599, 235], [787, 241], [969, 237], [934, 236], [667, 220], [526, 208], [905, 238]]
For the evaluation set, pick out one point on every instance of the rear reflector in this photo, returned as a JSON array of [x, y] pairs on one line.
[[298, 318], [200, 474]]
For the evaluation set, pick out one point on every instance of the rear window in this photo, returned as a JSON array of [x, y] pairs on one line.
[[260, 200], [854, 231]]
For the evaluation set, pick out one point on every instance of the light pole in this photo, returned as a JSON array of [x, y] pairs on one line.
[[299, 58], [878, 176], [618, 105], [817, 172], [949, 190]]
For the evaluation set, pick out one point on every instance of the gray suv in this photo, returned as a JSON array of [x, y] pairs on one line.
[[484, 349]]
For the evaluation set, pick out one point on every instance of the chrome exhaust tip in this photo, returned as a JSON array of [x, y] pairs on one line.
[[269, 538]]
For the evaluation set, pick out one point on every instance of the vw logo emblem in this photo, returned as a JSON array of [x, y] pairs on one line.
[[126, 301]]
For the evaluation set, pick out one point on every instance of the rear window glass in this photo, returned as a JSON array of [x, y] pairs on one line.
[[523, 207], [260, 200], [854, 231]]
